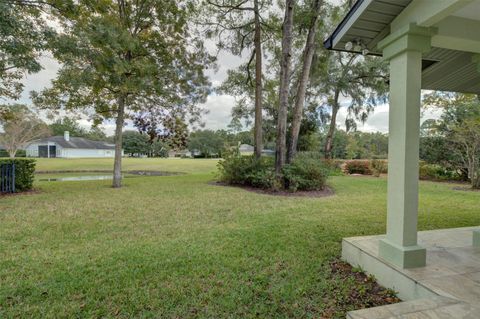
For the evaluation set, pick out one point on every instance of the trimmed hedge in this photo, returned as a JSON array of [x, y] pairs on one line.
[[24, 172], [20, 153], [378, 167], [358, 167]]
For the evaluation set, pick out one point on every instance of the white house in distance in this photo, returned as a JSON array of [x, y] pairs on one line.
[[69, 147]]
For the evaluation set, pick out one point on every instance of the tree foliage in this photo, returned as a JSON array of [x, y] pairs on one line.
[[206, 143], [459, 127], [238, 26], [121, 58], [59, 126], [20, 127], [24, 34], [136, 144]]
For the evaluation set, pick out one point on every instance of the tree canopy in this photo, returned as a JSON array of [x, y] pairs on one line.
[[122, 58], [20, 127]]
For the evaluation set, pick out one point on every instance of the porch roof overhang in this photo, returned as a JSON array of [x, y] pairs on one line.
[[453, 63]]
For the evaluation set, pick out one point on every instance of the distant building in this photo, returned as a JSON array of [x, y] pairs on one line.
[[69, 147], [246, 149], [179, 153]]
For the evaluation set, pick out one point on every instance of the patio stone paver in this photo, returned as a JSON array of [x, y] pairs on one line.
[[447, 287]]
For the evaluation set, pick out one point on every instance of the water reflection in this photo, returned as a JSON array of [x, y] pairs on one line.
[[69, 178], [77, 178]]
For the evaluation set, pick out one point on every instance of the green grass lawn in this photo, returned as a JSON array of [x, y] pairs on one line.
[[178, 247]]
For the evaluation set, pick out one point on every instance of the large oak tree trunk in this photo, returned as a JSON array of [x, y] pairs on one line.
[[117, 166], [258, 133], [304, 76], [287, 30]]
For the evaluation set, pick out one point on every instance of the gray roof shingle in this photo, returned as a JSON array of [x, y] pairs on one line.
[[77, 142]]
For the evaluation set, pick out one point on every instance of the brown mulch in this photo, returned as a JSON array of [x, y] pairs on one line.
[[363, 293], [322, 193]]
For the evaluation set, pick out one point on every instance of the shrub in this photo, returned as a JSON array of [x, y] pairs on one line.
[[20, 153], [24, 173], [438, 172], [248, 170], [358, 167], [379, 167], [306, 172]]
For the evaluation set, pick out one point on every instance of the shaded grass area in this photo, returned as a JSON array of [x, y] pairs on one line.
[[177, 247]]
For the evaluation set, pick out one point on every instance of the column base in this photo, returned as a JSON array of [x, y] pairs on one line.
[[403, 257], [476, 238]]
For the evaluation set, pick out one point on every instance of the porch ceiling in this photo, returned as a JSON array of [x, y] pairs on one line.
[[443, 69]]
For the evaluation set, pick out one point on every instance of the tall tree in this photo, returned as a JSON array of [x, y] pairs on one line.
[[285, 72], [244, 22], [119, 57], [459, 125], [20, 127], [362, 82], [71, 125], [24, 34], [337, 79], [207, 142], [307, 58]]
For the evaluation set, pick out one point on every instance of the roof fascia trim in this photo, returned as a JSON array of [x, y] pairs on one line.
[[346, 23]]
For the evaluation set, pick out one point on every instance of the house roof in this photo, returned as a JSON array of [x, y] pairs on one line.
[[444, 69], [246, 148], [77, 142]]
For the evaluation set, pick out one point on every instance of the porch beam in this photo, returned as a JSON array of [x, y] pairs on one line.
[[426, 13], [459, 34], [404, 50]]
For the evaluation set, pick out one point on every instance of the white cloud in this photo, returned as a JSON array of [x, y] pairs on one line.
[[220, 108], [378, 120]]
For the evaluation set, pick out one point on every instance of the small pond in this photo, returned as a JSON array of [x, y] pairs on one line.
[[75, 178], [94, 176]]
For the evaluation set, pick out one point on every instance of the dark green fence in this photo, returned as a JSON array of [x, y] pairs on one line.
[[7, 178]]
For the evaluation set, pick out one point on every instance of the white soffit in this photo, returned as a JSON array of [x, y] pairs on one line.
[[470, 11]]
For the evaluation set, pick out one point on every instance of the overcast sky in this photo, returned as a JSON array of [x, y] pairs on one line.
[[219, 106]]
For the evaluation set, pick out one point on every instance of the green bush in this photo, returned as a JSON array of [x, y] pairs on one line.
[[305, 173], [24, 173], [438, 172], [358, 167], [20, 153], [248, 170], [378, 167]]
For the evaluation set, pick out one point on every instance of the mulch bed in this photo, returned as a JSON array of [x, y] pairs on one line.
[[365, 292], [322, 193]]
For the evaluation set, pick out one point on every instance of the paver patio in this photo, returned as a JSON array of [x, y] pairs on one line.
[[447, 287]]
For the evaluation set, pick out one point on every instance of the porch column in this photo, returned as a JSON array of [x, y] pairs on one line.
[[404, 50]]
